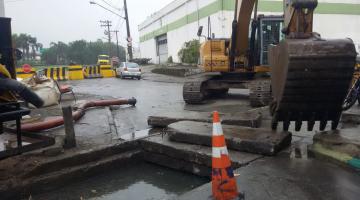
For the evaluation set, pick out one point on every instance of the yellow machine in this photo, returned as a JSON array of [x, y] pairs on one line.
[[230, 66], [309, 75], [103, 60]]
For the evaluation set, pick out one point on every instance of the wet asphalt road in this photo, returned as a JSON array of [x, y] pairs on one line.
[[154, 97]]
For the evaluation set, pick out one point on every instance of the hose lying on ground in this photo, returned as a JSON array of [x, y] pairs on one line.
[[7, 84], [77, 114]]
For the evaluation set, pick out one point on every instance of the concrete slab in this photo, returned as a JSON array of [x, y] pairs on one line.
[[195, 159], [339, 146], [275, 178], [249, 119], [29, 173], [344, 141], [260, 141]]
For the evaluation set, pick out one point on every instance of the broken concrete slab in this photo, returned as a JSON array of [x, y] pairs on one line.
[[191, 158], [249, 119], [260, 141]]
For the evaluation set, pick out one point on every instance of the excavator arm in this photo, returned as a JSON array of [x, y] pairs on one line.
[[240, 32]]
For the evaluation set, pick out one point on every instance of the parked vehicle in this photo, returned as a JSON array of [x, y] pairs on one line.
[[128, 70]]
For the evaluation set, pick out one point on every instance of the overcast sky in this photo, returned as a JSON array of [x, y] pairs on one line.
[[68, 20]]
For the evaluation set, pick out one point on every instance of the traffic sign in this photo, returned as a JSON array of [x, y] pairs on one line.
[[26, 68]]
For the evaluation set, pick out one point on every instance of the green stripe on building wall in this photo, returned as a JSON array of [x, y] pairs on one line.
[[264, 6]]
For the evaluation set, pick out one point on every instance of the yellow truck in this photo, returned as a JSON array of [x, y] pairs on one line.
[[103, 60]]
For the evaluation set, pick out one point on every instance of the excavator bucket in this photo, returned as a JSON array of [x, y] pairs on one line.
[[310, 79]]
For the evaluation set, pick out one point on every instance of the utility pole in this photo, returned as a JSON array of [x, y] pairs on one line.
[[2, 8], [129, 39], [107, 24], [117, 44]]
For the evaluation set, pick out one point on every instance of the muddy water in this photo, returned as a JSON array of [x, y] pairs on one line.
[[141, 182]]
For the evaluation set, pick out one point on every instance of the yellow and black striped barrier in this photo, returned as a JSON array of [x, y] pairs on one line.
[[107, 71], [92, 72], [76, 72], [21, 74], [57, 73]]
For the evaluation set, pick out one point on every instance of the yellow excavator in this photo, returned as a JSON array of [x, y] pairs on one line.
[[309, 75]]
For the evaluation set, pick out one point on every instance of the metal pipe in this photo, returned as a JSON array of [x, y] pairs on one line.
[[80, 112]]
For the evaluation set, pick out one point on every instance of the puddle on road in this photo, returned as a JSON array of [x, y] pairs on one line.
[[138, 134], [140, 181]]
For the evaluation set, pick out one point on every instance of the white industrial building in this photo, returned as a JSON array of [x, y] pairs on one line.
[[164, 32]]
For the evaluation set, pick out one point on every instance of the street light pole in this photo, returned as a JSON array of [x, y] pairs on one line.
[[128, 32], [126, 18], [2, 8]]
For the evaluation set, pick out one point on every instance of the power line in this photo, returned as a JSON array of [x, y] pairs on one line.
[[111, 5]]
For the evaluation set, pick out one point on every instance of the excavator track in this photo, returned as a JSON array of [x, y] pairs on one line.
[[195, 92], [260, 93], [310, 79]]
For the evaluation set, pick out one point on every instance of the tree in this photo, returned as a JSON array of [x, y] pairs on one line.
[[49, 56], [26, 42], [60, 49], [190, 53], [79, 51], [33, 44]]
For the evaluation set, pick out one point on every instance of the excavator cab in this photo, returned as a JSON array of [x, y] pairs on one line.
[[268, 33]]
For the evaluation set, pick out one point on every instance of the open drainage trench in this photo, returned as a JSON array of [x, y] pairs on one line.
[[141, 180], [132, 179]]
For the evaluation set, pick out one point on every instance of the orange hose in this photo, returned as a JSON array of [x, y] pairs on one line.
[[77, 114]]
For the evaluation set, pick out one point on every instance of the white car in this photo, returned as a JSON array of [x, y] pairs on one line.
[[128, 69]]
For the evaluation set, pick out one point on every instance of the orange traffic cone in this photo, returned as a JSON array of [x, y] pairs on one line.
[[223, 181]]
